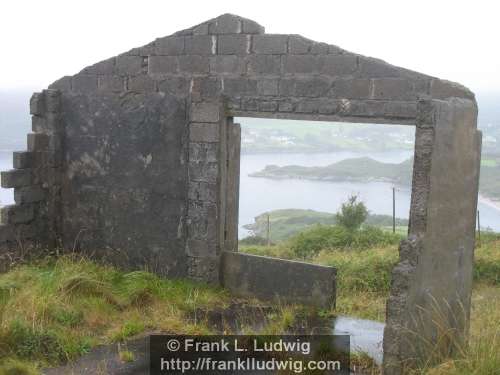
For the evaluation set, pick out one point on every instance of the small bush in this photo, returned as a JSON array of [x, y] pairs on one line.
[[352, 214]]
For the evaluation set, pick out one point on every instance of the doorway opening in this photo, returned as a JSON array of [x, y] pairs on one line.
[[296, 174]]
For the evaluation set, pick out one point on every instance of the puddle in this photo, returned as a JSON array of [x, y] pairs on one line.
[[366, 335]]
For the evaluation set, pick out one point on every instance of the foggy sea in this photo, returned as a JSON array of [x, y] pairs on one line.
[[258, 195]]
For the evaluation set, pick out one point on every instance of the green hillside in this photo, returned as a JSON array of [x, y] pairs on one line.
[[367, 169], [357, 169], [288, 222]]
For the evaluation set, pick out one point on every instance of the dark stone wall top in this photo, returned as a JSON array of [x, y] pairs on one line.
[[264, 73]]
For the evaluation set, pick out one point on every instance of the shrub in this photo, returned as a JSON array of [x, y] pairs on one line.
[[352, 214]]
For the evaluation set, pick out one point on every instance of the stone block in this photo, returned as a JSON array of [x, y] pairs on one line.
[[38, 142], [15, 178], [111, 83], [230, 64], [171, 45], [264, 64], [29, 194], [362, 108], [269, 44], [233, 103], [352, 88], [48, 176], [202, 191], [393, 89], [248, 275], [22, 159], [141, 83], [55, 143], [7, 233], [285, 107], [205, 112], [37, 104], [63, 84], [129, 65], [233, 45], [205, 268], [146, 50], [305, 87], [441, 89], [203, 152], [374, 68], [267, 87], [239, 86], [202, 221], [17, 214], [49, 158], [426, 115], [54, 123], [335, 50], [319, 48], [201, 29], [199, 248], [250, 104], [106, 67], [298, 45], [251, 27], [268, 106], [301, 64], [338, 65], [307, 106], [52, 100], [200, 45], [205, 87], [404, 110], [178, 86], [202, 171], [225, 24], [39, 124], [328, 106], [84, 83], [204, 132], [163, 64], [194, 64]]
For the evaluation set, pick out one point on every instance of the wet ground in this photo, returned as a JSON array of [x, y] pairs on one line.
[[366, 336]]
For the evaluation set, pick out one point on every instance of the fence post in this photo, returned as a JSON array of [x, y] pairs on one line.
[[268, 231], [478, 229], [393, 210]]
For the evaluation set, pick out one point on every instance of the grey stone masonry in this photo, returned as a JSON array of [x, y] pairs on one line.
[[32, 221], [133, 160]]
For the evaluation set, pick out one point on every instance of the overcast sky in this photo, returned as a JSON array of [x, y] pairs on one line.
[[457, 40]]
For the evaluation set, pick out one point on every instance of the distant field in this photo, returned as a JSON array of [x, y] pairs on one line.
[[264, 135], [489, 162]]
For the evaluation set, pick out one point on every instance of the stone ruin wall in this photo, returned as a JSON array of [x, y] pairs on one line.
[[146, 133]]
